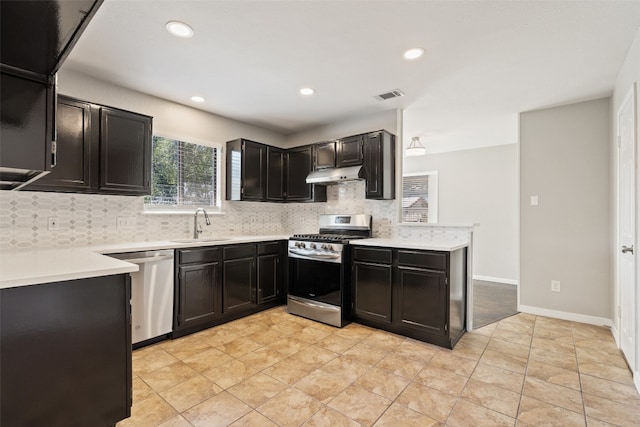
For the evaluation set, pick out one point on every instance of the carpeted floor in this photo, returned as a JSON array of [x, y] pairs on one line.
[[492, 302]]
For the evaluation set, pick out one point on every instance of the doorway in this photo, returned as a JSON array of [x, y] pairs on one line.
[[493, 301]]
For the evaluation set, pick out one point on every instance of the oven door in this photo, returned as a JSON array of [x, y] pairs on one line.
[[316, 280]]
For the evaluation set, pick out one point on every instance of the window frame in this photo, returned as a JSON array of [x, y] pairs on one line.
[[189, 209], [432, 217]]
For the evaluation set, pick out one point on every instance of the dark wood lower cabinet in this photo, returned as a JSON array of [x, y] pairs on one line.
[[199, 286], [65, 358], [422, 300], [420, 294], [221, 283], [372, 287], [239, 289]]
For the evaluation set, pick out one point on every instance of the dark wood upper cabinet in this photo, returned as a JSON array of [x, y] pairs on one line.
[[74, 149], [299, 165], [38, 35], [35, 38], [276, 171], [101, 150], [246, 170], [349, 151], [27, 115], [125, 152], [325, 155], [380, 165]]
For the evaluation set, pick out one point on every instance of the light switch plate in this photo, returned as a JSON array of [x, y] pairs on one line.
[[534, 200]]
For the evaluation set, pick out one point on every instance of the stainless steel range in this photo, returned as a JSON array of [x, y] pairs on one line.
[[319, 273]]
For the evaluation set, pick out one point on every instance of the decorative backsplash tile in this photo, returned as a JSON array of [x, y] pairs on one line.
[[86, 219]]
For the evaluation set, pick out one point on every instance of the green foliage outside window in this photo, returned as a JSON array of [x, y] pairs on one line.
[[182, 173]]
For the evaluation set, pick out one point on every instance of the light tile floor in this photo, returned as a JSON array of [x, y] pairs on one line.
[[276, 369]]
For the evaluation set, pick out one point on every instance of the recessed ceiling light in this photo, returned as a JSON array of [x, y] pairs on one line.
[[180, 29], [413, 53], [307, 91], [197, 99]]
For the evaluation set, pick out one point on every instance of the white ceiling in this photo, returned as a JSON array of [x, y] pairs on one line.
[[250, 58]]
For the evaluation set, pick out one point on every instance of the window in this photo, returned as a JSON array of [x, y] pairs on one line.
[[420, 197], [183, 174]]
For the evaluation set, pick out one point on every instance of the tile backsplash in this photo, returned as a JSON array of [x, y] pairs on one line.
[[86, 219]]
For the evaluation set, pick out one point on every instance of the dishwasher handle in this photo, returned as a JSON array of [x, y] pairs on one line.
[[145, 260], [144, 257]]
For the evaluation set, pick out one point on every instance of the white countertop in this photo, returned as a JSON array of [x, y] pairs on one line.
[[22, 268], [412, 244], [25, 267], [34, 266], [169, 244]]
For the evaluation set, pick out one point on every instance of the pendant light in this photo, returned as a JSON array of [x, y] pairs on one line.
[[415, 148]]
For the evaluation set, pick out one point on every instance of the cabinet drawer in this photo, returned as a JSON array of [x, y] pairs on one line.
[[377, 255], [190, 256], [239, 251], [424, 259], [268, 248]]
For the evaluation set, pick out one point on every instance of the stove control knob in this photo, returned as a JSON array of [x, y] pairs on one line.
[[329, 248], [312, 246], [323, 247], [302, 245]]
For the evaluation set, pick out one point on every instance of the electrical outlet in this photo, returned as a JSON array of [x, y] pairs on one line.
[[555, 285], [124, 222], [534, 200], [53, 223]]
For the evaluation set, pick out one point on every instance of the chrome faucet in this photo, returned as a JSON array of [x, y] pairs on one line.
[[197, 229]]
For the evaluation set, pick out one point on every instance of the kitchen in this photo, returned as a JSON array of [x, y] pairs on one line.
[[92, 220]]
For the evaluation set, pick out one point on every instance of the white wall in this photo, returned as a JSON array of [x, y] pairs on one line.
[[480, 186], [387, 120], [564, 160], [629, 74], [169, 118]]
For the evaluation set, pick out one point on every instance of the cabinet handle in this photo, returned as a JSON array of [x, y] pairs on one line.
[[54, 150]]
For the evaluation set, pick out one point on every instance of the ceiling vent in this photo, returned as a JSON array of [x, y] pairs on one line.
[[392, 94]]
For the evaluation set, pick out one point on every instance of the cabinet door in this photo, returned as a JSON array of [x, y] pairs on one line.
[[269, 278], [325, 156], [239, 289], [73, 168], [422, 300], [26, 116], [125, 152], [254, 162], [349, 151], [63, 336], [298, 167], [275, 174], [372, 291], [198, 289], [373, 166]]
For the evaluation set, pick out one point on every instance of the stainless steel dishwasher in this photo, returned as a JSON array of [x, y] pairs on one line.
[[151, 293]]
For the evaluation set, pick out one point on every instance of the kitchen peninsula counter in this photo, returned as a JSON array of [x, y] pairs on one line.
[[24, 267]]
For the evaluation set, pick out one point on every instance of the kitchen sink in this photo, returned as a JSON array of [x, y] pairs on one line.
[[205, 239]]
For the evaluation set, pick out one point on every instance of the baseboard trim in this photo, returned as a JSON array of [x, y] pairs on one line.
[[495, 279], [564, 315], [616, 334]]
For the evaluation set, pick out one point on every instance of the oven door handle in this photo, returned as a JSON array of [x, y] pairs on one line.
[[319, 257]]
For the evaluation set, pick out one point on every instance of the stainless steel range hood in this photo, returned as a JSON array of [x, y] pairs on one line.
[[335, 175]]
